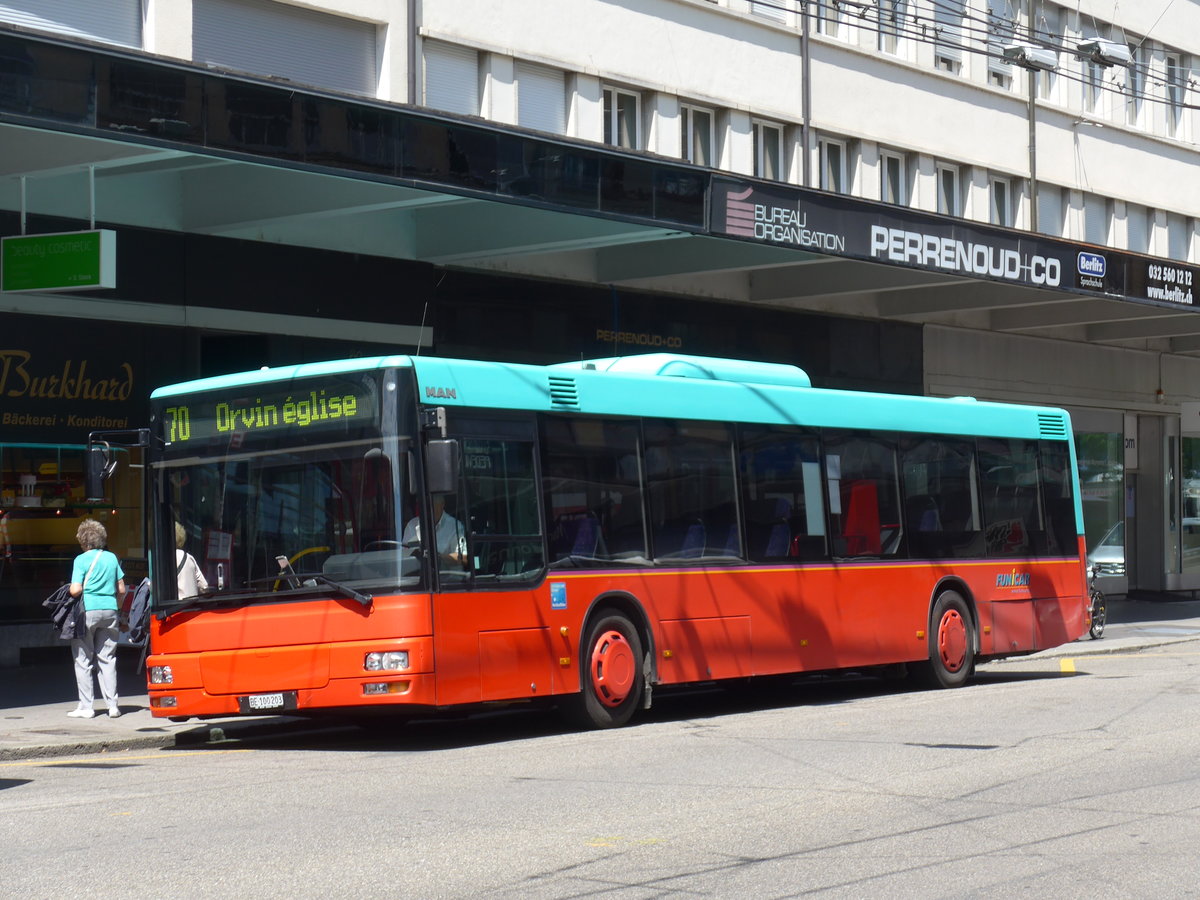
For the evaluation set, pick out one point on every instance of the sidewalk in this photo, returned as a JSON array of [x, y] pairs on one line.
[[34, 700]]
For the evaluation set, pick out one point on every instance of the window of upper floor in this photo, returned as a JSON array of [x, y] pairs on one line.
[[1001, 29], [769, 160], [1139, 226], [830, 18], [697, 134], [832, 157], [769, 9], [622, 118], [1177, 73], [1179, 236], [893, 178], [1000, 201], [891, 24], [1050, 209], [1048, 32], [949, 190], [1135, 83], [541, 98], [948, 35]]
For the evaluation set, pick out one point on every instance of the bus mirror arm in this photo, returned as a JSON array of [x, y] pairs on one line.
[[100, 464]]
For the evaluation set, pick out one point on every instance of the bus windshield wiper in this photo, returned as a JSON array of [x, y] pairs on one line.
[[201, 600], [297, 581]]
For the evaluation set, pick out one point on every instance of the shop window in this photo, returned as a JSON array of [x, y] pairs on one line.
[[1101, 457], [42, 502], [1190, 506]]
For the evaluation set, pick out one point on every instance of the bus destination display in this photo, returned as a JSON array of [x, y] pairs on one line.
[[301, 409]]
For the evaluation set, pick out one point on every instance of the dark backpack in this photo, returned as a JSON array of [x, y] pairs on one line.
[[139, 613]]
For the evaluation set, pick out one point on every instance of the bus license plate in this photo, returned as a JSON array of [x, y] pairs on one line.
[[258, 703]]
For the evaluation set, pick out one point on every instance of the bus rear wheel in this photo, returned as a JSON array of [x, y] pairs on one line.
[[611, 677], [951, 643]]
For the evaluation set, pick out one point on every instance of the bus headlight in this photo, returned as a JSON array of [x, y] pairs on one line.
[[161, 675], [389, 661]]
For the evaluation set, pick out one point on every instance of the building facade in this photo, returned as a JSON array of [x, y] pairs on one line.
[[987, 197]]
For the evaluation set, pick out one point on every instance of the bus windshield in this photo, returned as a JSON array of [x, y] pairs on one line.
[[288, 486]]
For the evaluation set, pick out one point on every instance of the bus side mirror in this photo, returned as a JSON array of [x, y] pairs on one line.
[[98, 467], [441, 466]]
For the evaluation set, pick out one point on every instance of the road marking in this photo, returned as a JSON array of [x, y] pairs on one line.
[[74, 760], [1066, 666]]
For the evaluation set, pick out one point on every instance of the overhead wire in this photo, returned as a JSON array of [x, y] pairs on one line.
[[901, 20]]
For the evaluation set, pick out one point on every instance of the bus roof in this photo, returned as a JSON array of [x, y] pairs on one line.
[[673, 386]]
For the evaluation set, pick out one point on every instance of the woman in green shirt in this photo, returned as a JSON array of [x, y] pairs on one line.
[[97, 578]]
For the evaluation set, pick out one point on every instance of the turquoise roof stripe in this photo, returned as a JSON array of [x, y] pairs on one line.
[[281, 373], [607, 391], [690, 388]]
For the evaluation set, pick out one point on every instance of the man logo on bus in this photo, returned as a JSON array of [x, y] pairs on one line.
[[1012, 579], [441, 393]]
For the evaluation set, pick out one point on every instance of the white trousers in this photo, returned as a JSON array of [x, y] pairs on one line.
[[96, 652]]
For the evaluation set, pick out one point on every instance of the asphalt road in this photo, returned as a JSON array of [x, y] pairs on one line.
[[1057, 777]]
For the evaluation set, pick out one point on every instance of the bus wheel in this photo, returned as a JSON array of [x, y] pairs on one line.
[[611, 680], [951, 643]]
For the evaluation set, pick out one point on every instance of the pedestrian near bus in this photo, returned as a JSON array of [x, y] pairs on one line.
[[96, 577]]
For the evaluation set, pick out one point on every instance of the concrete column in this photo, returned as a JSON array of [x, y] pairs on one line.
[[735, 138], [167, 30], [662, 124], [585, 108], [498, 94]]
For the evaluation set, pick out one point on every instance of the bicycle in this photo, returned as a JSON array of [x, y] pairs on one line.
[[1096, 609]]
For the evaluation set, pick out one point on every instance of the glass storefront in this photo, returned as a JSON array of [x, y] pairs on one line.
[[1102, 476], [42, 502], [1190, 504]]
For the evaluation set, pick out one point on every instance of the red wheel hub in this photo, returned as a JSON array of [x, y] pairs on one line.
[[952, 640], [613, 668]]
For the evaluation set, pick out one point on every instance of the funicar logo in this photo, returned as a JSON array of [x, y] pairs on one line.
[[1012, 579]]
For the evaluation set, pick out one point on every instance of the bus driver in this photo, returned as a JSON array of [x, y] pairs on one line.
[[450, 537]]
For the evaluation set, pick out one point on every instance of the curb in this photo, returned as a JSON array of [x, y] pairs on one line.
[[223, 732]]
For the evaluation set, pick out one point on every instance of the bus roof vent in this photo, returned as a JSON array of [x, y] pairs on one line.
[[563, 392], [1052, 426]]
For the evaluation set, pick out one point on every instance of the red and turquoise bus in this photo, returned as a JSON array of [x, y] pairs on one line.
[[423, 534]]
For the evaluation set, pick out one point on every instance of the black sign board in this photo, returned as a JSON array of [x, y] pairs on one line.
[[841, 226]]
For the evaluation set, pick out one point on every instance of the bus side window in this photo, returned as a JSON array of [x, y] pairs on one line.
[[1012, 508], [690, 481], [941, 506], [591, 482], [864, 496], [781, 494]]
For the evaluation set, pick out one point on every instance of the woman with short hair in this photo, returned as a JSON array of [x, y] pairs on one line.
[[98, 580]]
